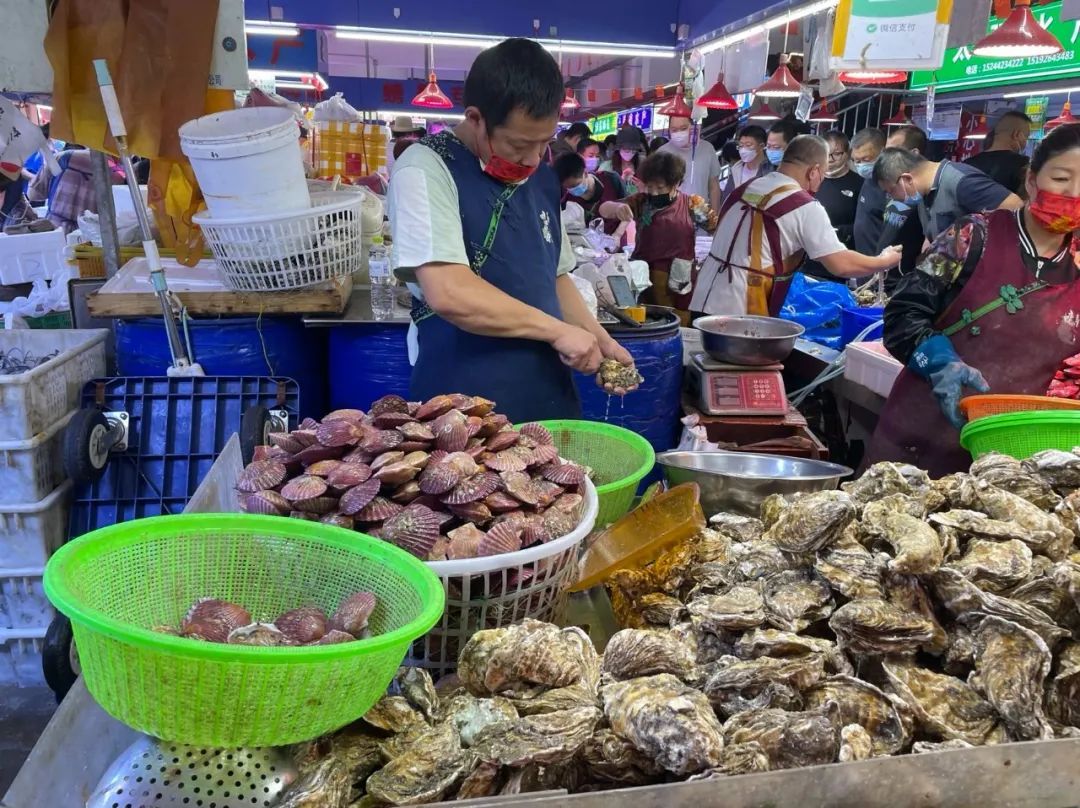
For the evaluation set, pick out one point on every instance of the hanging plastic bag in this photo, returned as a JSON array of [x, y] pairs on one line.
[[587, 291], [816, 306], [573, 219], [598, 239], [336, 109]]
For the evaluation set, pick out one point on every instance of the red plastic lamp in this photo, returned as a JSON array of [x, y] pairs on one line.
[[1066, 117], [868, 76], [718, 96], [677, 106], [899, 119], [431, 97], [980, 131], [1019, 35], [781, 83], [764, 113], [570, 102], [825, 114]]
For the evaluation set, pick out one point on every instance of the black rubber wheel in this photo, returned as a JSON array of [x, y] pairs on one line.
[[85, 457], [254, 428], [59, 659]]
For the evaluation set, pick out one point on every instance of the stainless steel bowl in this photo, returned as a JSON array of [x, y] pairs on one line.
[[747, 339], [737, 482]]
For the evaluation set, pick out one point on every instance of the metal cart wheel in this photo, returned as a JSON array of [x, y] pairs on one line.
[[255, 427], [89, 438], [59, 657]]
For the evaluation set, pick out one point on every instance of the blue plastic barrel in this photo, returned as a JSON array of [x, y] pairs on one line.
[[234, 346], [653, 411], [853, 321], [368, 361]]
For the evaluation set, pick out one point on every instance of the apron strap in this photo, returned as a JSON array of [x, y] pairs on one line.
[[1011, 299]]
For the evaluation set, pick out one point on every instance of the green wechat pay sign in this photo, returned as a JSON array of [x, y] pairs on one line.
[[963, 70]]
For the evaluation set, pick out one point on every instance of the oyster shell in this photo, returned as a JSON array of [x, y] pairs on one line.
[[416, 686], [1005, 506], [737, 527], [796, 598], [788, 739], [737, 608], [922, 747], [995, 565], [429, 767], [611, 759], [520, 656], [882, 479], [875, 627], [658, 609], [757, 559], [470, 715], [812, 522], [1063, 693], [546, 738], [728, 674], [1008, 474], [669, 722], [887, 719], [1011, 666], [631, 653], [1061, 470], [945, 707], [916, 546], [618, 375], [393, 714], [852, 571], [774, 643], [855, 743], [875, 512], [327, 785]]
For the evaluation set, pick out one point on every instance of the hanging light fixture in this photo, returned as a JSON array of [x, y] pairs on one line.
[[717, 96], [868, 76], [899, 119], [1019, 35], [980, 131], [570, 102], [826, 113], [764, 113], [781, 83], [1066, 117], [677, 106], [431, 97]]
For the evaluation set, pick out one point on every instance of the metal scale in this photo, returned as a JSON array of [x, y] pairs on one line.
[[720, 388]]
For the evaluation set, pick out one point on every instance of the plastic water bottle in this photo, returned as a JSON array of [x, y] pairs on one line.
[[382, 280]]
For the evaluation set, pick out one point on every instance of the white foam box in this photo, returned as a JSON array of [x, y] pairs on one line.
[[31, 256], [23, 605], [31, 469], [869, 364], [20, 658], [30, 533]]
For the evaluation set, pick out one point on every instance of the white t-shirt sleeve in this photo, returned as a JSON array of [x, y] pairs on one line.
[[714, 161], [425, 219], [816, 232]]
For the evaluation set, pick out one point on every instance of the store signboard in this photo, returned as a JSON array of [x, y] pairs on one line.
[[659, 122], [604, 125], [641, 117], [1035, 108], [963, 70], [890, 33], [945, 125]]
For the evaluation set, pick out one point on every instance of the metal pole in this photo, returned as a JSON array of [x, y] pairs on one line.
[[110, 242]]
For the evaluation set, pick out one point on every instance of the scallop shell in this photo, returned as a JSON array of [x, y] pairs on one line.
[[447, 420], [504, 538], [571, 503], [439, 478], [390, 403], [339, 433], [356, 416], [317, 505], [396, 473], [269, 503], [308, 423], [433, 408], [416, 431], [464, 463], [474, 425], [419, 459], [304, 487], [492, 423], [414, 529], [303, 625], [307, 516], [261, 634], [567, 474], [260, 475], [472, 489], [438, 550], [502, 440], [505, 461], [382, 440], [538, 432], [286, 441], [358, 456], [359, 496], [558, 522], [547, 492], [475, 512], [535, 531], [386, 458], [333, 637], [377, 510], [406, 493], [353, 613], [324, 467], [414, 445], [392, 420], [543, 454], [520, 486], [480, 406], [453, 438], [464, 542], [212, 619], [460, 400], [268, 453], [306, 437], [347, 475], [501, 502], [338, 520], [317, 452]]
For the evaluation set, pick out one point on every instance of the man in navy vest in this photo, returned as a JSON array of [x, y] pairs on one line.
[[478, 237]]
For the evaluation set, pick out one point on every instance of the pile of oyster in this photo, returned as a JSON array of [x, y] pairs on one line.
[[215, 620], [445, 479], [897, 615]]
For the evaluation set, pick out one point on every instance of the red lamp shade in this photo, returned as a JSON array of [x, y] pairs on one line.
[[431, 97], [570, 102], [1066, 117], [764, 113], [781, 83], [980, 131], [825, 114], [1019, 35], [867, 76], [677, 106], [718, 96], [899, 119]]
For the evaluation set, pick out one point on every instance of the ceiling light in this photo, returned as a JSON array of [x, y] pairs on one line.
[[825, 114], [677, 106], [268, 28], [746, 33], [1066, 117], [781, 84], [868, 76], [764, 113], [1019, 35], [1052, 91], [899, 119], [431, 97], [291, 78], [980, 131], [472, 41], [390, 114], [718, 97]]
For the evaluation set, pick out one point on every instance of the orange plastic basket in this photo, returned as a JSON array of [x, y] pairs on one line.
[[975, 407]]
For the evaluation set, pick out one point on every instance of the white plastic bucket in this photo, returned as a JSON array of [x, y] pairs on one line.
[[247, 161]]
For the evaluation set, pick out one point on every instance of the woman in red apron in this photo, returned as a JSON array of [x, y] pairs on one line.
[[994, 306], [666, 221]]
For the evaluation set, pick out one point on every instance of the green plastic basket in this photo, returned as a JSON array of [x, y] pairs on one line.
[[619, 458], [1022, 434], [119, 582]]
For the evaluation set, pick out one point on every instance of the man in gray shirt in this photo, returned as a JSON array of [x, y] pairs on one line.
[[702, 167]]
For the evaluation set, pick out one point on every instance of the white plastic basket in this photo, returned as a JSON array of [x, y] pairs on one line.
[[31, 256], [872, 366], [289, 250], [20, 658], [30, 469], [30, 533], [23, 604]]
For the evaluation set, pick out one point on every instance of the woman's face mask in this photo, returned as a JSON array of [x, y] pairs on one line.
[[627, 154]]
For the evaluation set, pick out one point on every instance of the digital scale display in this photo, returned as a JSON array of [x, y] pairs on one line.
[[734, 390]]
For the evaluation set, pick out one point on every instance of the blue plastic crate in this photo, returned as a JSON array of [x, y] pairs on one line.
[[853, 321], [177, 428]]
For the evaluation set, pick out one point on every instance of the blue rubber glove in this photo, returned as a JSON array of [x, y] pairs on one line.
[[937, 361]]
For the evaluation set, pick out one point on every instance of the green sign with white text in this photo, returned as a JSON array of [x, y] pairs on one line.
[[604, 125], [962, 70]]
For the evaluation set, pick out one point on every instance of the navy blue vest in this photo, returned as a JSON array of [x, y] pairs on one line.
[[525, 378]]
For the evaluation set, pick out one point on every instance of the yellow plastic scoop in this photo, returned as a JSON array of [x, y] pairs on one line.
[[639, 537]]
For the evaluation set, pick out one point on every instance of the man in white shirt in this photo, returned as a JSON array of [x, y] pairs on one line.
[[741, 274], [702, 170]]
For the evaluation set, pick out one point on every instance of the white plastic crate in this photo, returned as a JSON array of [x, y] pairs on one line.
[[872, 366], [31, 401], [31, 469], [30, 533], [23, 604], [20, 658], [31, 256]]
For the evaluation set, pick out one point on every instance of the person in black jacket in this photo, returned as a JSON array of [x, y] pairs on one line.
[[839, 195], [1002, 158]]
